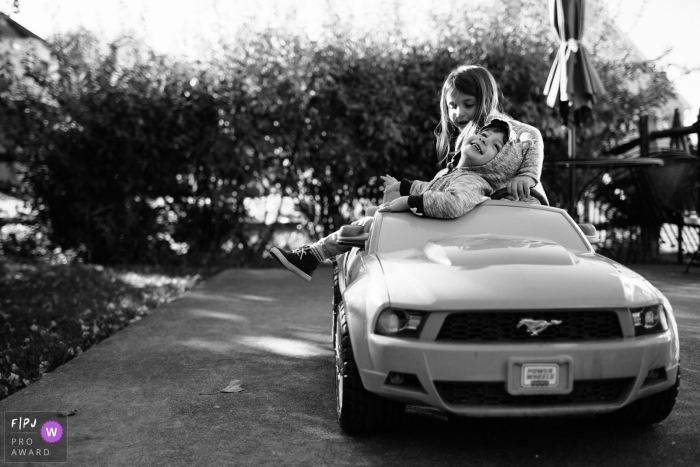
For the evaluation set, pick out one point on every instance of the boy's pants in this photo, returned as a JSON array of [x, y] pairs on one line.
[[328, 247]]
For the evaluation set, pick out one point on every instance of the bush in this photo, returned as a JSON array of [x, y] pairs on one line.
[[134, 156]]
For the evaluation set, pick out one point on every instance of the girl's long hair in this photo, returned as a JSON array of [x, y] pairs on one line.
[[475, 81]]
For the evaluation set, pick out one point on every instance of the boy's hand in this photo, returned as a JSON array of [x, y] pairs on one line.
[[519, 187], [396, 186], [388, 180], [398, 205]]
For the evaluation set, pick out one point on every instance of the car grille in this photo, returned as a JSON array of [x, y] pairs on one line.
[[502, 326], [584, 392]]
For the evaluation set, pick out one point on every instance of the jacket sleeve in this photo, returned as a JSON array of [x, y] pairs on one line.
[[532, 146], [405, 187], [417, 187], [463, 194]]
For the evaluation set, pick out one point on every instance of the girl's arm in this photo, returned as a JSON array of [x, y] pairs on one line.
[[519, 186], [528, 175], [532, 145]]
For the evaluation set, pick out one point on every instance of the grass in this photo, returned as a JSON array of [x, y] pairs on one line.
[[50, 314]]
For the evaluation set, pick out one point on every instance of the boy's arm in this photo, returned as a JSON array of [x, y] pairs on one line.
[[412, 187], [463, 194], [417, 187]]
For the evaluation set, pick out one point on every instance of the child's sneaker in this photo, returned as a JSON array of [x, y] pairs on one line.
[[301, 261]]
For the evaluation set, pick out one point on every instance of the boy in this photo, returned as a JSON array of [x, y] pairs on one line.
[[446, 197]]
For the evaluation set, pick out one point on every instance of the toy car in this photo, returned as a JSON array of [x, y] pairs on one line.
[[506, 311]]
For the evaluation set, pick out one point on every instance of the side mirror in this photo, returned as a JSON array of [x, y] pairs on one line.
[[352, 236], [590, 232]]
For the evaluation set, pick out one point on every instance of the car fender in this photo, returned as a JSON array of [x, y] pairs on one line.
[[363, 299], [672, 325], [649, 288]]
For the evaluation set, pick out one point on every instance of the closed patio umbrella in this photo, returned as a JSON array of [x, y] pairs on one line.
[[572, 81]]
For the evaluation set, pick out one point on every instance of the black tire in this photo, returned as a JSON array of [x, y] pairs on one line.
[[651, 409], [358, 410]]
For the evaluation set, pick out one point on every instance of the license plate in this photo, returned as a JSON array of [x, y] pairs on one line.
[[540, 375]]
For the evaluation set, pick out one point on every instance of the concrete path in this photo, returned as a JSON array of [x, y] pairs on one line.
[[149, 394], [138, 393]]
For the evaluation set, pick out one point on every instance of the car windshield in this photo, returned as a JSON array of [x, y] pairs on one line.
[[399, 232]]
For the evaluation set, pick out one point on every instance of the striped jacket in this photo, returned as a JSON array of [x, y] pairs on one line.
[[522, 155], [450, 195]]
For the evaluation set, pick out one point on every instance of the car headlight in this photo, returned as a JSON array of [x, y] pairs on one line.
[[399, 323], [649, 320]]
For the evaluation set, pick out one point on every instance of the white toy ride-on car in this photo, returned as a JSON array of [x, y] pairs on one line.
[[506, 311]]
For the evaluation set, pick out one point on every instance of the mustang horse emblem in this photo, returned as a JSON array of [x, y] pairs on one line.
[[536, 326]]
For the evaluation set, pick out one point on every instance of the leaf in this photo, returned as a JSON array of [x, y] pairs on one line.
[[66, 413], [233, 386]]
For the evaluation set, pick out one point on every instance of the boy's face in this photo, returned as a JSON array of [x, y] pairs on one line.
[[479, 149]]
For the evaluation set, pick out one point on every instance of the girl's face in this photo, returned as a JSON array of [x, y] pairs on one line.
[[461, 107], [479, 149]]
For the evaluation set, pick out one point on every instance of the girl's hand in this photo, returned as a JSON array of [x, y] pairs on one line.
[[396, 186], [398, 205], [388, 180], [519, 187]]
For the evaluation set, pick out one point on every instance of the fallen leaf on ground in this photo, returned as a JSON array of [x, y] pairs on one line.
[[66, 413], [233, 386]]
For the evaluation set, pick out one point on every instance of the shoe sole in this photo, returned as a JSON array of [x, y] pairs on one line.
[[283, 261]]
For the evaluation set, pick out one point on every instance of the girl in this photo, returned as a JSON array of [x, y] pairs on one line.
[[468, 101]]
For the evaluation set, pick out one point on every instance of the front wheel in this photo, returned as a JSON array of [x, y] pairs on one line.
[[358, 410]]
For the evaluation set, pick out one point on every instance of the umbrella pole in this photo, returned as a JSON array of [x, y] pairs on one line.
[[572, 173]]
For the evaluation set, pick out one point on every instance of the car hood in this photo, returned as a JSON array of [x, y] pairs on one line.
[[504, 272]]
